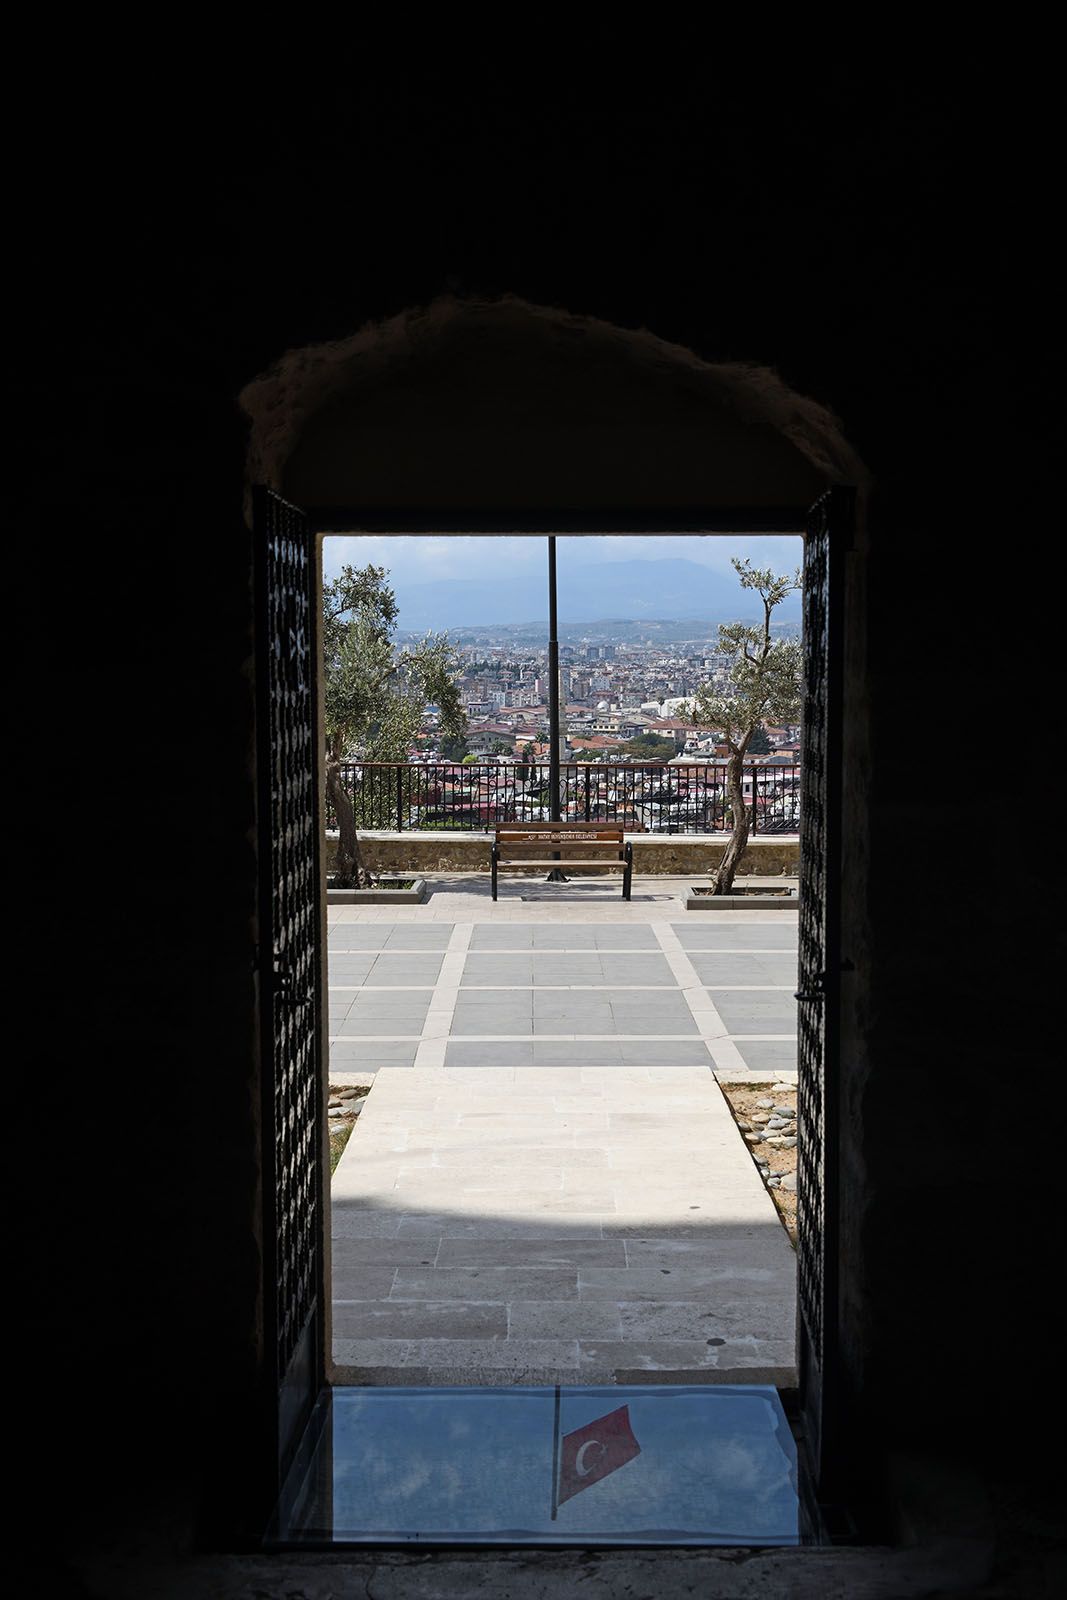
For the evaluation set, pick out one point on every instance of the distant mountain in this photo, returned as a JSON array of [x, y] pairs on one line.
[[673, 588]]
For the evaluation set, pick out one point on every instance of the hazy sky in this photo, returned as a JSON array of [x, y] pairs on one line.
[[419, 558]]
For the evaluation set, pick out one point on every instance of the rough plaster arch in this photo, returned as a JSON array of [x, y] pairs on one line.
[[483, 404], [479, 405]]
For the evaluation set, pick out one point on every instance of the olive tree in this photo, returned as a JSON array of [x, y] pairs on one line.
[[375, 697], [763, 683]]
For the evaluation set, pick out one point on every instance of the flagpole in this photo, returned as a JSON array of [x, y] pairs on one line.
[[555, 1459], [555, 876]]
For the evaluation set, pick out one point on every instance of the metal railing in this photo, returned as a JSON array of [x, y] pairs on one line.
[[654, 797]]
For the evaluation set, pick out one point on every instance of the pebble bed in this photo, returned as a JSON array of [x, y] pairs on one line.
[[345, 1105], [346, 1102], [766, 1115]]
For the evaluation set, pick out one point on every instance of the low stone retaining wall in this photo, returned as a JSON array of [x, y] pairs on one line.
[[675, 855]]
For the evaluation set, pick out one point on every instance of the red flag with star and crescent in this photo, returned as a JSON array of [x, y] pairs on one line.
[[594, 1451]]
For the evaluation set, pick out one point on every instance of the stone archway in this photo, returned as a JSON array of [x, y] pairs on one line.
[[490, 405], [496, 416]]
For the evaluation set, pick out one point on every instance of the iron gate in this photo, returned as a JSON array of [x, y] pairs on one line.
[[818, 966], [290, 959]]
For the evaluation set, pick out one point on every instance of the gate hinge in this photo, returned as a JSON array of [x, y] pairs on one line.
[[818, 992]]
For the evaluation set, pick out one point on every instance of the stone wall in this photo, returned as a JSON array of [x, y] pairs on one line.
[[669, 855], [880, 245]]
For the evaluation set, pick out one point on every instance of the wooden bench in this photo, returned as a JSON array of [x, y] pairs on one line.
[[599, 846]]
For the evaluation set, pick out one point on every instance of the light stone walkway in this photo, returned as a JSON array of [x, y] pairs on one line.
[[546, 1184]]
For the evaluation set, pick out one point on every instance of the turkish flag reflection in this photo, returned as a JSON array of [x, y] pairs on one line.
[[594, 1451]]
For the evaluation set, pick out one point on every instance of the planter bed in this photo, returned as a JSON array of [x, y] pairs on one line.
[[383, 894], [763, 894]]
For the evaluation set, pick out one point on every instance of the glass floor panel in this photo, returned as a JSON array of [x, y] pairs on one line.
[[600, 1466]]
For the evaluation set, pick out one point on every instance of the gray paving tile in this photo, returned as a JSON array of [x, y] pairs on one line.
[[390, 997], [567, 969], [351, 967], [415, 1319], [358, 1222], [408, 1004], [559, 996], [619, 1227], [781, 934], [478, 1284], [664, 1053], [501, 936], [556, 1319], [454, 1225], [481, 968], [621, 938], [390, 969], [566, 1251], [710, 1247], [642, 968], [730, 1320], [372, 1036], [656, 1052], [367, 1054], [769, 1055], [374, 1032], [416, 936], [755, 1011], [468, 1020], [498, 995], [436, 1363], [357, 936], [667, 1002], [568, 1002], [629, 1020], [371, 936], [692, 1283], [686, 1319], [573, 1019], [364, 1282], [360, 1254], [661, 1355], [727, 967], [565, 936], [501, 1053], [578, 1053]]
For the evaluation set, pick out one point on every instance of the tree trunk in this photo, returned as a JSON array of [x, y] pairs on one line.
[[722, 879], [350, 873]]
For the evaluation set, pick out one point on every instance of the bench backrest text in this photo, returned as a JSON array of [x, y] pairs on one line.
[[590, 835]]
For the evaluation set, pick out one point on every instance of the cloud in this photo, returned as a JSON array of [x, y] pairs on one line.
[[422, 558]]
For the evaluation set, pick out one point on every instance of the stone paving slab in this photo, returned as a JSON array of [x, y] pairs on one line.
[[750, 933], [496, 1216], [545, 1184], [756, 1010], [572, 968], [365, 935], [726, 969], [569, 936]]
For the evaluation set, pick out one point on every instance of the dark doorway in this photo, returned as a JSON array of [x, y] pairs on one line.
[[287, 544]]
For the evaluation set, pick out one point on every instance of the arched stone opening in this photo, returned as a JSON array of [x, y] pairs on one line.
[[488, 404], [504, 410]]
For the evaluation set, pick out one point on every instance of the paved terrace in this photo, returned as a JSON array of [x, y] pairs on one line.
[[546, 1184]]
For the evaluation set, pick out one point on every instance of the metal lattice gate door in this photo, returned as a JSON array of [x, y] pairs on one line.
[[290, 959], [828, 533]]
